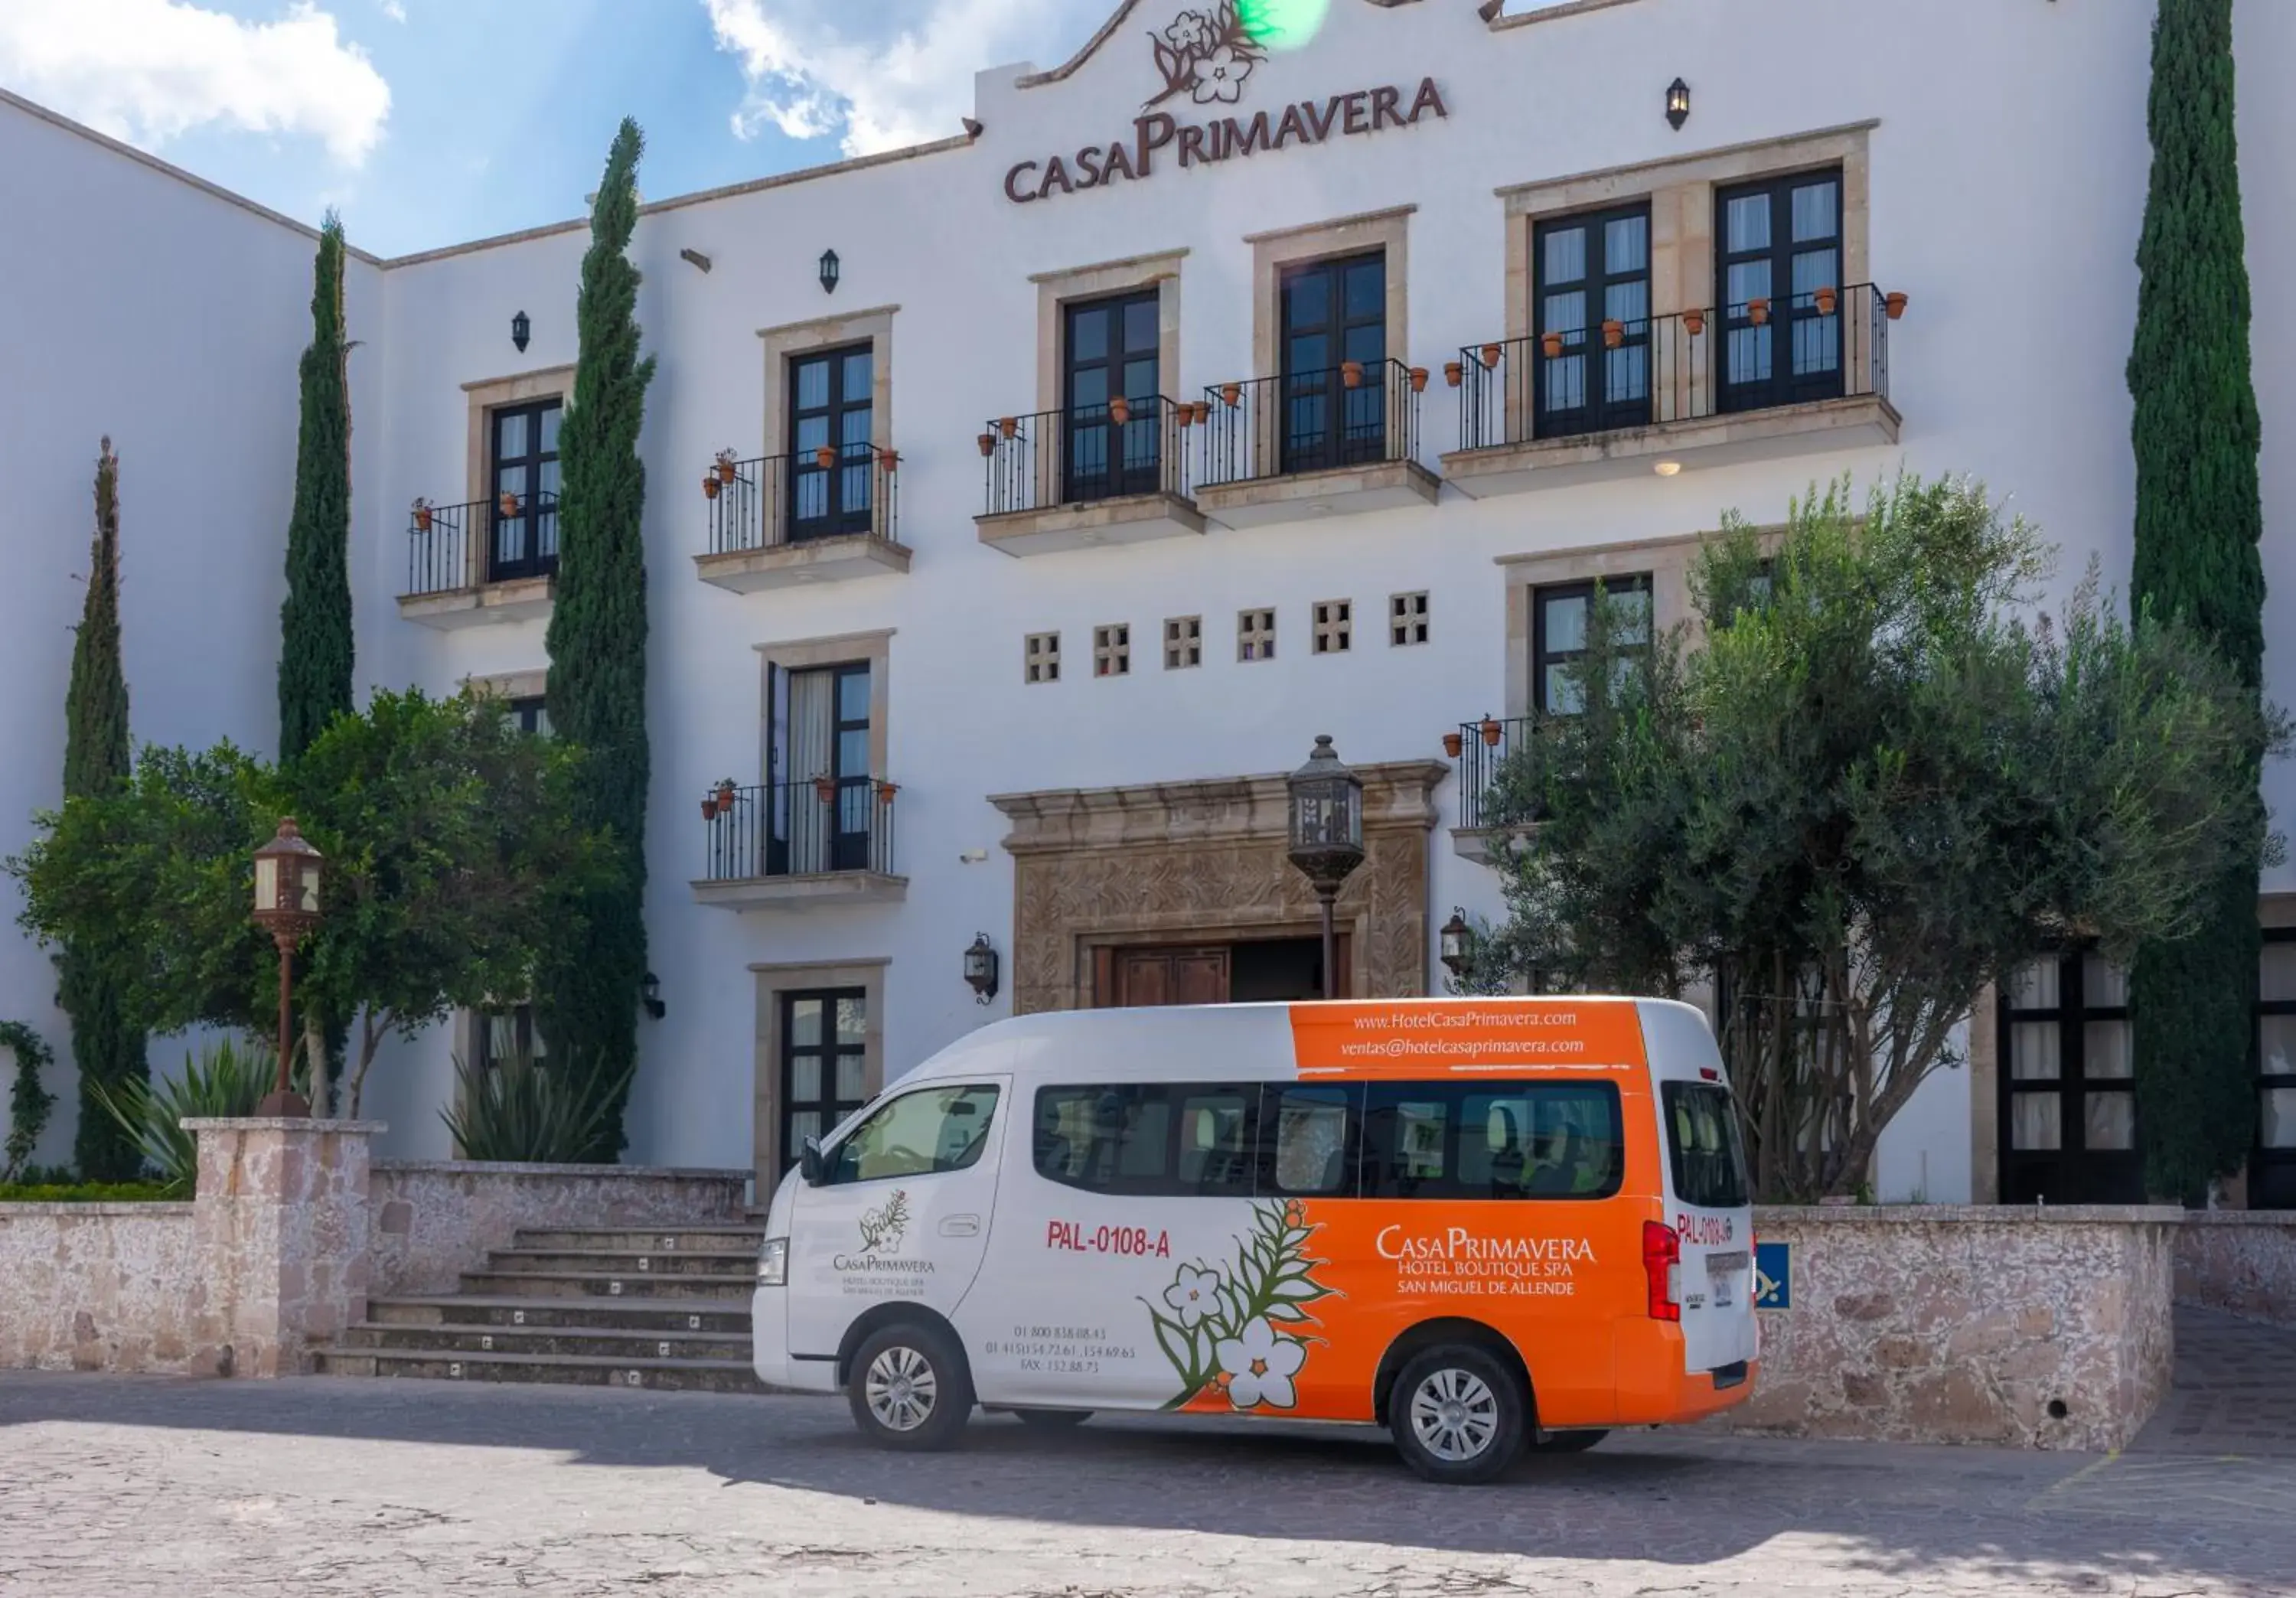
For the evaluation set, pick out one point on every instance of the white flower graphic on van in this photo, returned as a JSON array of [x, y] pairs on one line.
[[1239, 1332], [1259, 1366], [1193, 1295]]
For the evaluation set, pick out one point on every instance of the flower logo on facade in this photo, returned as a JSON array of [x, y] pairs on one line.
[[1206, 54], [1193, 1295], [1259, 1366]]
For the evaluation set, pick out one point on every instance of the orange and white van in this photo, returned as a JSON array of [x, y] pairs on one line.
[[1485, 1224]]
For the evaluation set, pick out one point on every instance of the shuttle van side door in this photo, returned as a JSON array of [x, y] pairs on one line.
[[901, 1212]]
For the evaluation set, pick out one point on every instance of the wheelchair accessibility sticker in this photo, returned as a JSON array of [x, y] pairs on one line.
[[1773, 1275]]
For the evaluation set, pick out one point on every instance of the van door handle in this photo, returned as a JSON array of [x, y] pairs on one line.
[[960, 1226]]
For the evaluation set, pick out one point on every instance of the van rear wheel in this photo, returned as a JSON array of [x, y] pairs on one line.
[[1458, 1414], [909, 1389]]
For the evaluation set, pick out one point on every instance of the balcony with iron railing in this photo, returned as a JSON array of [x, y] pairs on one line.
[[489, 560], [1113, 473], [1759, 381], [786, 845], [1481, 749], [820, 516], [1310, 443]]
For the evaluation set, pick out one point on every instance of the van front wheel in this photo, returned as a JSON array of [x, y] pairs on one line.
[[1457, 1415], [910, 1390]]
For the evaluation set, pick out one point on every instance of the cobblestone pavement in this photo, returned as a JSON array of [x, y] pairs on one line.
[[124, 1488], [2235, 1390]]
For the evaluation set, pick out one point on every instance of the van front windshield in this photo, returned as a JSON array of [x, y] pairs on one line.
[[1701, 1133]]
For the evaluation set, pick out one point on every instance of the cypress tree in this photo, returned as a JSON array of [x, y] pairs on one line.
[[106, 1048], [597, 642], [2199, 516], [315, 622]]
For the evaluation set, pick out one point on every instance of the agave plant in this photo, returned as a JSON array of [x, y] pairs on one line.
[[225, 1080], [523, 1110]]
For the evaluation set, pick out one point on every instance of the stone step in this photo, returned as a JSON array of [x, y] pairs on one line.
[[583, 1285], [637, 1315], [606, 1342], [669, 1240], [599, 1262], [662, 1375]]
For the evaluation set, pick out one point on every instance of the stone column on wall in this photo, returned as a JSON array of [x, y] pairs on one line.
[[280, 1220]]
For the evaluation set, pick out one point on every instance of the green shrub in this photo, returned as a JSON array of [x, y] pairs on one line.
[[88, 1192], [524, 1112], [226, 1080]]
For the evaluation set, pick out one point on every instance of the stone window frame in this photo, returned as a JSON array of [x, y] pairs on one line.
[[1057, 289], [1112, 650], [481, 399], [836, 649], [1184, 643], [1332, 627], [1255, 634], [510, 685], [1280, 249], [775, 979], [1408, 614], [1680, 193], [794, 339], [1040, 659]]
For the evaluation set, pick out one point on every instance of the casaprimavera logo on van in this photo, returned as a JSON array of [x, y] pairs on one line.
[[883, 1228]]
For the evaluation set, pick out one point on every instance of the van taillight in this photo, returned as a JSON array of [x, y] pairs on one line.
[[1707, 1073], [1662, 1263]]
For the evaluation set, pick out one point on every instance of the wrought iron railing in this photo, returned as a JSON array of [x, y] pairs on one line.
[[1091, 453], [810, 828], [485, 541], [1825, 344], [1482, 749], [826, 493], [1358, 414]]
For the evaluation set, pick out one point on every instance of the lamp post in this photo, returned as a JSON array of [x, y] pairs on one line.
[[287, 873], [1327, 835], [1457, 943]]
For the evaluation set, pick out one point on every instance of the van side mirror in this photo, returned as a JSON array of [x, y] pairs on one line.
[[809, 1165]]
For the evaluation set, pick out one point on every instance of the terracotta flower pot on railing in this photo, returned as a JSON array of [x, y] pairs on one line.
[[892, 459], [422, 515], [1232, 393], [1455, 373], [709, 806], [1693, 323], [1453, 744], [1008, 425], [1490, 355], [1550, 344], [725, 465], [1491, 731], [825, 456], [1757, 311], [886, 791], [726, 793], [1419, 380], [1352, 374], [1825, 300], [824, 790], [711, 485], [1895, 304], [508, 503], [988, 445], [1614, 333], [1120, 410]]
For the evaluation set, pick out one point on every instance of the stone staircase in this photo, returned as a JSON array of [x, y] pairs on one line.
[[667, 1309]]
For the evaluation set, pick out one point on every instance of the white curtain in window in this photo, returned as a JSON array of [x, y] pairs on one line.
[[810, 737]]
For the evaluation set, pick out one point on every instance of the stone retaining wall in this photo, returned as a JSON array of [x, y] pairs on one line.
[[433, 1220], [2036, 1327], [2243, 1261], [105, 1287]]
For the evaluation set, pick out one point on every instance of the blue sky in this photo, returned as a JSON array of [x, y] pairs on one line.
[[430, 122]]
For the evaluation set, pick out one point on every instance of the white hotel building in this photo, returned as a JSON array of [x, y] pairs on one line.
[[1004, 662]]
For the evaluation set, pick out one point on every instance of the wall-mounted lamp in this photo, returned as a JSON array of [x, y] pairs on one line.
[[829, 272], [520, 329], [695, 260], [972, 128], [1457, 945], [650, 991], [980, 968], [1677, 103]]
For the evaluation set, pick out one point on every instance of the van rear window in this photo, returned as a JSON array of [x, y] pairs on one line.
[[1702, 1143]]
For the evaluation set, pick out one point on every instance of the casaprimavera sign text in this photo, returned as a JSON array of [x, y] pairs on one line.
[[1364, 112]]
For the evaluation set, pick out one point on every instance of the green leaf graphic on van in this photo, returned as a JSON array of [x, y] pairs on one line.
[[1219, 1327]]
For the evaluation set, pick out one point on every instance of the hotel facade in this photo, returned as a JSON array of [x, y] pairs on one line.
[[1022, 505]]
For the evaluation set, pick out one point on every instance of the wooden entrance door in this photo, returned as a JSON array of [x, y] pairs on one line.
[[1125, 978]]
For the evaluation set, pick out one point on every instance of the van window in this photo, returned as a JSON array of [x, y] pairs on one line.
[[916, 1134], [1493, 1140], [1702, 1136], [1314, 1151], [1150, 1140]]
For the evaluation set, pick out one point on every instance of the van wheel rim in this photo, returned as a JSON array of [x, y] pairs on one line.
[[901, 1389], [1455, 1416]]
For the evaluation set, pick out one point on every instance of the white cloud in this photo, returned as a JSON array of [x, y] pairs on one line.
[[392, 9], [147, 70], [889, 72]]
